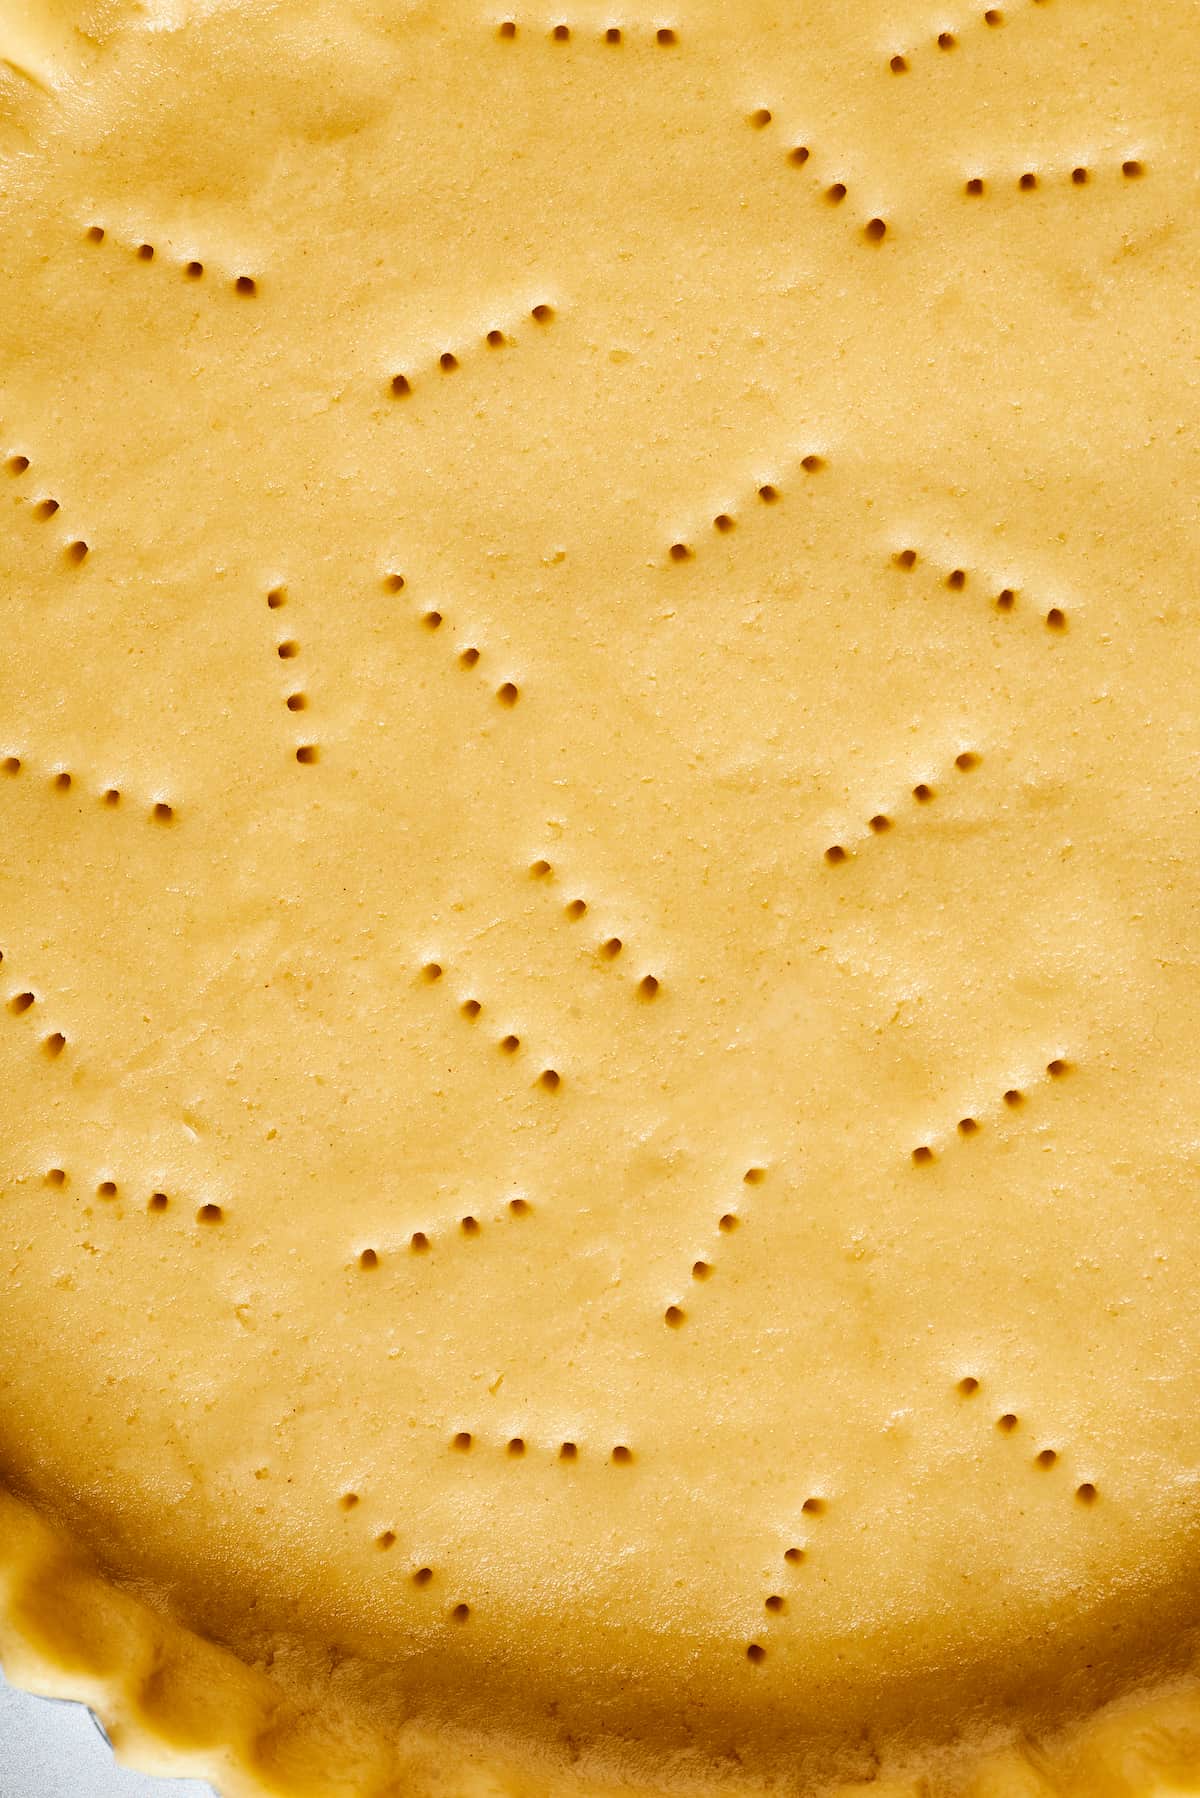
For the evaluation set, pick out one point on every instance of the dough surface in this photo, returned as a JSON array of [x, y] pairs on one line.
[[598, 763]]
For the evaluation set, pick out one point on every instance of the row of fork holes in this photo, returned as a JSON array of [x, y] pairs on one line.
[[675, 1315], [158, 1202], [45, 509], [799, 155], [64, 782], [993, 18], [421, 1240], [1031, 180], [296, 701], [549, 1079], [956, 580], [965, 761], [775, 1604], [495, 339], [610, 947], [507, 693], [516, 1447], [1008, 1423], [666, 37], [724, 522], [386, 1540], [246, 285], [1013, 1098], [22, 1002]]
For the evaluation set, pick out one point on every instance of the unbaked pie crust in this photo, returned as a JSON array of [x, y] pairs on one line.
[[598, 785]]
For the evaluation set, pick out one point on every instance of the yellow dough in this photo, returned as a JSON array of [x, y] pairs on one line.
[[599, 1015]]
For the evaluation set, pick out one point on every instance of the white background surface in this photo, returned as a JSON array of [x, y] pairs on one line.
[[50, 1750]]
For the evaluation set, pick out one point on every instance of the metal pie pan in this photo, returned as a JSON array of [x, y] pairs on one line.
[[52, 1749]]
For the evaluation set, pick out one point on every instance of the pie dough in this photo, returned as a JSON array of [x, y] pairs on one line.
[[598, 763]]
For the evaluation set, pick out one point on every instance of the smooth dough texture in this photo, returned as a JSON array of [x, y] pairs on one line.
[[599, 1015]]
